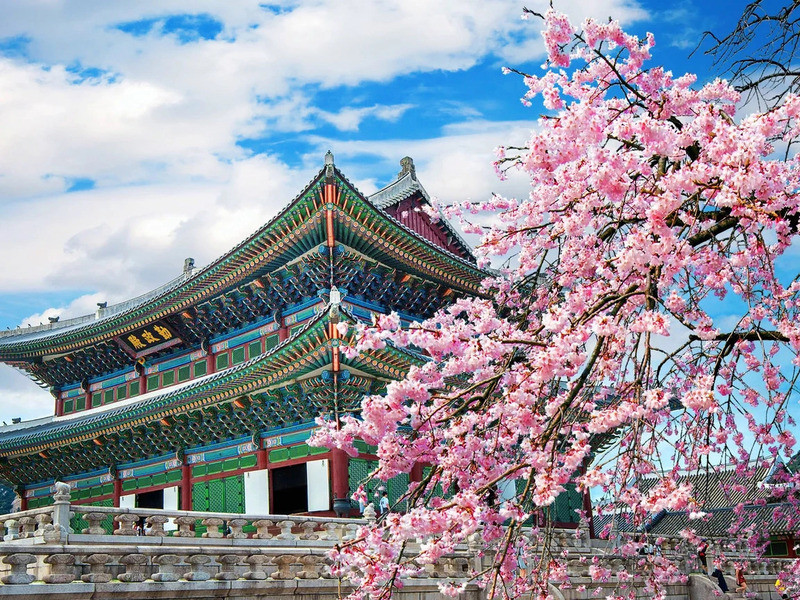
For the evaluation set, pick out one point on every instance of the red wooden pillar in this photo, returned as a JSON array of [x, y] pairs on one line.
[[59, 405], [186, 487], [88, 399], [339, 474], [261, 458], [143, 381], [117, 490], [283, 332], [211, 364], [416, 473], [23, 499]]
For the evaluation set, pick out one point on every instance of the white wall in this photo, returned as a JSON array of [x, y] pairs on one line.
[[256, 492], [128, 501], [171, 503], [318, 485]]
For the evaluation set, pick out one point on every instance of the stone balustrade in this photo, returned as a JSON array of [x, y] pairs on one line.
[[202, 551]]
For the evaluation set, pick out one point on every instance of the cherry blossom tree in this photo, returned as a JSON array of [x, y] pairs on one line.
[[645, 323]]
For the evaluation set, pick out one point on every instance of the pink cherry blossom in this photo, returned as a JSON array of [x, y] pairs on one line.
[[597, 356]]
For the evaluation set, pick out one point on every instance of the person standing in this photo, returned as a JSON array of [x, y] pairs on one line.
[[384, 505], [702, 549], [781, 587]]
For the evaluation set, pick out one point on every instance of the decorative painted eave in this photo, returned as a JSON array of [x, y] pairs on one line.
[[273, 244], [296, 229], [308, 350]]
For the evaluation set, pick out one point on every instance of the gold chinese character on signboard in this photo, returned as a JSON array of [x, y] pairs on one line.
[[162, 331], [135, 342], [149, 337]]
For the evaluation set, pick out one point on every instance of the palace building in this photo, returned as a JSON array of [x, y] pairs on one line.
[[202, 394]]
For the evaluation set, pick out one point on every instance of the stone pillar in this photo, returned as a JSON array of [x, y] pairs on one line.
[[61, 499]]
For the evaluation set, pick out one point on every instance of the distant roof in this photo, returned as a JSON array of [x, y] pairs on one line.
[[773, 518], [407, 185], [726, 495], [22, 334], [723, 486]]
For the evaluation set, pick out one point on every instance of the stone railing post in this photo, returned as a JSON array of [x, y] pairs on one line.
[[262, 529], [308, 530], [311, 567], [369, 513], [198, 569], [12, 527], [167, 568], [135, 566], [19, 568], [95, 521], [474, 546], [236, 526], [286, 530], [62, 568], [97, 569], [61, 498], [27, 527], [257, 571], [284, 563], [331, 532], [185, 527], [227, 567], [212, 525], [350, 532], [126, 524], [156, 525], [42, 521]]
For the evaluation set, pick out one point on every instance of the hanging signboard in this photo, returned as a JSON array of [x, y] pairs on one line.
[[149, 339]]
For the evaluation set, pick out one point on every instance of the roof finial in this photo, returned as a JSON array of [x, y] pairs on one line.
[[334, 303], [329, 164], [407, 166]]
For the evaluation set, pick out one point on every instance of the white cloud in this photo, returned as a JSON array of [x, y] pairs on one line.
[[21, 398], [454, 167], [157, 130], [349, 119]]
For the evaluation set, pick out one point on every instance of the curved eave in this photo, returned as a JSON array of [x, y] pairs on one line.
[[294, 230], [275, 243], [307, 350]]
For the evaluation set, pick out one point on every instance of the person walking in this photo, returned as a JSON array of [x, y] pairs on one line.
[[741, 582]]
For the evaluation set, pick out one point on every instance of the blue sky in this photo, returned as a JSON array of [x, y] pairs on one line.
[[137, 134]]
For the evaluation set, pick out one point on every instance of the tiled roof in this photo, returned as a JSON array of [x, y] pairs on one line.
[[407, 185], [770, 518], [722, 487]]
